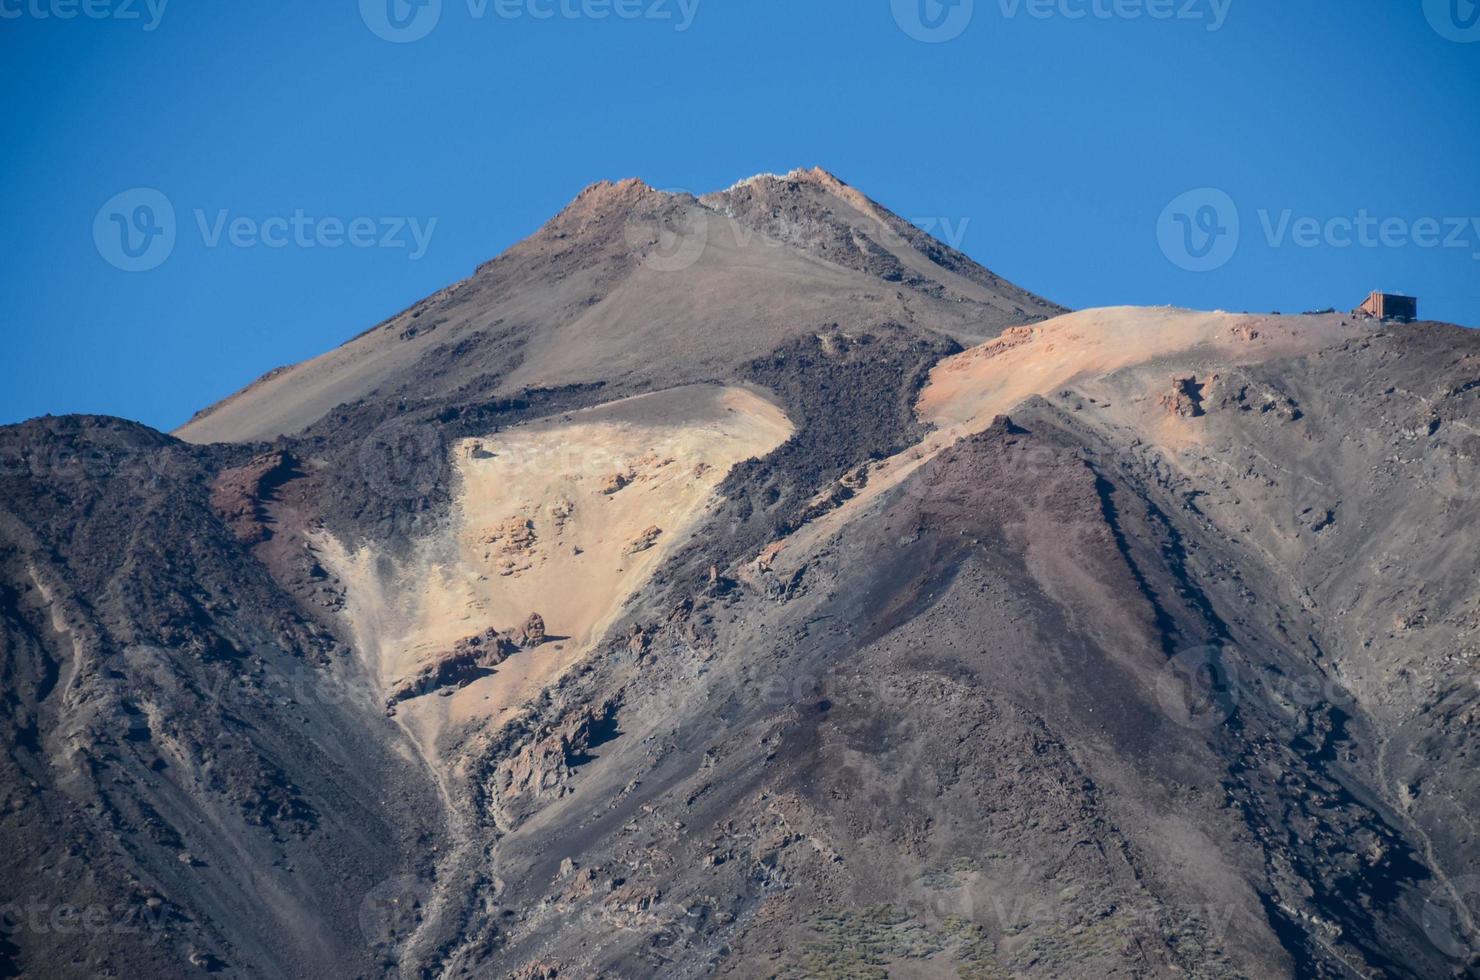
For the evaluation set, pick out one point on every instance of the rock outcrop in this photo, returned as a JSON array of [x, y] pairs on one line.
[[644, 541], [1185, 398], [532, 633], [469, 659], [239, 494]]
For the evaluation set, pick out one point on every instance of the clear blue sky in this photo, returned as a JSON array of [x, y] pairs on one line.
[[1058, 141]]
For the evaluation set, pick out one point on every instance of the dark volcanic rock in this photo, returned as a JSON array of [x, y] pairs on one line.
[[532, 633], [164, 696]]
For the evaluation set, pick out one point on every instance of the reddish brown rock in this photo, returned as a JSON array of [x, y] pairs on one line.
[[1185, 398], [239, 494]]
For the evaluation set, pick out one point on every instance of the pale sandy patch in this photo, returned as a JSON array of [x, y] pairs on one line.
[[966, 392], [546, 520]]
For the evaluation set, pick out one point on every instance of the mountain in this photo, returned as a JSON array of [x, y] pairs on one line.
[[749, 585], [629, 287]]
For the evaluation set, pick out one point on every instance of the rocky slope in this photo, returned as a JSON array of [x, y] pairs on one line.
[[806, 603], [632, 288], [193, 775]]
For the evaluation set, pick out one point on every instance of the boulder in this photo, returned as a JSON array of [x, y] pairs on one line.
[[469, 659], [643, 541], [532, 633]]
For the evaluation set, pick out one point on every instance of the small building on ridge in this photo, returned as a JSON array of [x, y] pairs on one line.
[[1390, 306]]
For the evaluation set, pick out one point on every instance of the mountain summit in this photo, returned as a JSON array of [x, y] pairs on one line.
[[628, 285]]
